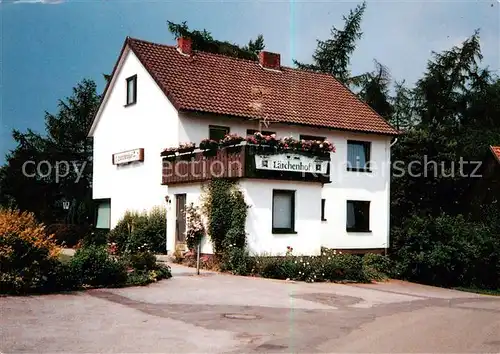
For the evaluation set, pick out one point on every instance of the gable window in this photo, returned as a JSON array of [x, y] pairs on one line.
[[358, 216], [131, 90], [251, 132], [358, 155], [217, 132], [283, 211], [323, 201], [312, 137], [103, 214]]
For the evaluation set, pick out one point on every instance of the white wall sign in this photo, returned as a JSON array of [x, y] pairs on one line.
[[128, 156], [291, 163]]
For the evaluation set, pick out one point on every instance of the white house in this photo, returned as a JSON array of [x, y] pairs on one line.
[[160, 96]]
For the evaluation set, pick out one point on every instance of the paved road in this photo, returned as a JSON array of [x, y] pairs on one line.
[[227, 314]]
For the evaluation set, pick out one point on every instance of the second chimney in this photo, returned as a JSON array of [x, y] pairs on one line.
[[269, 60], [184, 45]]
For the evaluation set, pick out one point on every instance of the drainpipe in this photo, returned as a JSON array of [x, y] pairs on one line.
[[394, 142]]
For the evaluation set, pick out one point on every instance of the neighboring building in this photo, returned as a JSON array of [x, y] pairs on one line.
[[160, 96]]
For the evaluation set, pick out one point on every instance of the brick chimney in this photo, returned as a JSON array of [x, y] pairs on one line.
[[184, 45], [269, 60]]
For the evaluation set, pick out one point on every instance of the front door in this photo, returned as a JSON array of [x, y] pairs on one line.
[[180, 221]]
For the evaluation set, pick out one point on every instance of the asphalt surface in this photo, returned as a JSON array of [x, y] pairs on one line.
[[216, 313]]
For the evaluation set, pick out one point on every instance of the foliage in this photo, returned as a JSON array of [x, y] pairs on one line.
[[194, 226], [332, 56], [140, 231], [141, 278], [448, 251], [142, 260], [327, 267], [376, 266], [67, 235], [97, 237], [65, 141], [28, 256], [93, 266], [203, 41]]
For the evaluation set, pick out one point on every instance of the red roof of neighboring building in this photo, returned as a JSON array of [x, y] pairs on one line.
[[496, 151], [213, 83]]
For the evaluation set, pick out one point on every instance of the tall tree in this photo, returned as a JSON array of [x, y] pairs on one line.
[[203, 40], [65, 147], [375, 90], [332, 56]]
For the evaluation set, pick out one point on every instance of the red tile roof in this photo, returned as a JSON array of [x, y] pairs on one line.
[[206, 82], [496, 151]]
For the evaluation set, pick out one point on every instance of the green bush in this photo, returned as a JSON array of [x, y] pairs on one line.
[[237, 261], [377, 266], [144, 260], [138, 231], [448, 251], [97, 237], [338, 267], [93, 266]]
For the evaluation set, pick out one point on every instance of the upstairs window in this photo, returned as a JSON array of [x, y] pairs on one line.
[[251, 132], [217, 132], [312, 137], [283, 211], [358, 216], [131, 90], [358, 155]]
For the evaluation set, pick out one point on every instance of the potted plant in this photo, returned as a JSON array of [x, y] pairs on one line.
[[231, 139], [169, 151], [186, 147], [209, 147]]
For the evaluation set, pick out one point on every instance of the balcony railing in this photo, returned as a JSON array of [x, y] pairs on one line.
[[245, 161]]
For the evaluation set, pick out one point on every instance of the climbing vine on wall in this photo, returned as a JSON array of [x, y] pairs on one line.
[[225, 208]]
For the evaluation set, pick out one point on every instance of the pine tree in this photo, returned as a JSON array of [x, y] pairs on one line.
[[332, 56]]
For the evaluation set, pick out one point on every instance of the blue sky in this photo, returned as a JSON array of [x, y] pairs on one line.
[[47, 46]]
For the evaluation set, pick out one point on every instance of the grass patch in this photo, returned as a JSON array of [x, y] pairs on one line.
[[480, 291]]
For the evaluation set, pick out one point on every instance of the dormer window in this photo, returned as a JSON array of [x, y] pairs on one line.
[[131, 90]]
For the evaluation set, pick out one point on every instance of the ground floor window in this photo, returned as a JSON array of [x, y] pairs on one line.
[[103, 214], [358, 216], [283, 211]]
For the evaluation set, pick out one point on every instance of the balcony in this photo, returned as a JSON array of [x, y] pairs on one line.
[[245, 161]]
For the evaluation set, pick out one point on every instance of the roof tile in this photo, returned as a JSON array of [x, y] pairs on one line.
[[213, 83]]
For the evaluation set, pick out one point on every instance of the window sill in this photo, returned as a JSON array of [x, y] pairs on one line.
[[130, 104], [359, 230], [284, 231], [353, 169]]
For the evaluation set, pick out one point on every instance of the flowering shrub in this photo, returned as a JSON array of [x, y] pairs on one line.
[[186, 147], [170, 151], [208, 144], [291, 144], [194, 226], [231, 139]]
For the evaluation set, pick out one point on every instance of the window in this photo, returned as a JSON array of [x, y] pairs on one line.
[[358, 216], [103, 214], [358, 155], [131, 90], [251, 132], [283, 211], [323, 201], [312, 137], [217, 133]]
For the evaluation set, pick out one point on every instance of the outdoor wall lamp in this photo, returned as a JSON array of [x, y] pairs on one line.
[[167, 199]]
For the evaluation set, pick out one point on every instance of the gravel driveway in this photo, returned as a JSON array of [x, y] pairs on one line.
[[221, 313]]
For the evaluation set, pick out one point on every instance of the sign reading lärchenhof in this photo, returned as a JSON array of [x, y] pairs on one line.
[[128, 156], [291, 163]]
